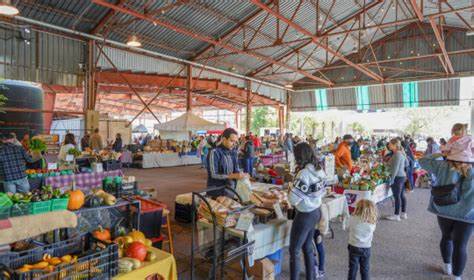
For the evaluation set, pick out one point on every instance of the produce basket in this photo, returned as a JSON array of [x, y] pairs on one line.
[[40, 207], [112, 164], [59, 204], [20, 209], [96, 260]]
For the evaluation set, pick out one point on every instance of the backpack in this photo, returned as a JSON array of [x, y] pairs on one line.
[[447, 194]]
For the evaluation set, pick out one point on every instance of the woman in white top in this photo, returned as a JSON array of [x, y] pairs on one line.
[[305, 195], [69, 143]]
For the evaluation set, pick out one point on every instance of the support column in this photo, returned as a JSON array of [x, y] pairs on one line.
[[189, 86], [472, 112], [237, 119], [248, 117], [288, 109], [91, 119], [281, 118]]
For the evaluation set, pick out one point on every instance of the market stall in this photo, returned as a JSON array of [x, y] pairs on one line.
[[159, 159], [184, 126]]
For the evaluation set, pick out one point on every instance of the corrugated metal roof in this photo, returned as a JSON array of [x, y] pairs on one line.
[[430, 93]]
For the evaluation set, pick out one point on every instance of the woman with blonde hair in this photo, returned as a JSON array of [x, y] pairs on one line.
[[452, 201], [361, 232], [397, 164]]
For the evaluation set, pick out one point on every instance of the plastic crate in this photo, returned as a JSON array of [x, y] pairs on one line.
[[121, 189], [17, 210], [59, 204], [151, 217], [182, 212], [97, 260], [40, 207], [5, 200], [110, 165]]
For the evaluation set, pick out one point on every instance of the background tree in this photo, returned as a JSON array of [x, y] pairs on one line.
[[357, 128], [262, 117]]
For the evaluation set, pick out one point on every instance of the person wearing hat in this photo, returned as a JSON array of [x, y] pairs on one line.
[[452, 200], [13, 159], [343, 153]]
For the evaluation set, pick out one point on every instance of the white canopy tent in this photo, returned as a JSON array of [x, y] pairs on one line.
[[184, 125]]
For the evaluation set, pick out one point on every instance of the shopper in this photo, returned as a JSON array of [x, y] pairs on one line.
[[248, 155], [442, 144], [288, 146], [25, 142], [458, 131], [203, 149], [13, 159], [433, 147], [306, 196], [455, 179], [96, 142], [361, 232], [118, 144], [397, 165], [69, 143], [85, 141], [223, 168], [410, 168], [343, 153], [355, 150]]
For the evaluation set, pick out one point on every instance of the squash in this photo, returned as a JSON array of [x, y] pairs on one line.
[[93, 200], [137, 235], [76, 200], [150, 256], [102, 234], [109, 199], [136, 250], [135, 263], [125, 265]]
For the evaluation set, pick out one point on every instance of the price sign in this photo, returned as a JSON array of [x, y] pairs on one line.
[[245, 221], [278, 211]]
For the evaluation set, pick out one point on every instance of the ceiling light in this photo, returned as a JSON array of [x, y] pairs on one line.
[[289, 86], [27, 30], [7, 9], [470, 33], [133, 42]]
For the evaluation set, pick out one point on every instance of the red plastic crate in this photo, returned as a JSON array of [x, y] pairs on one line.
[[148, 205]]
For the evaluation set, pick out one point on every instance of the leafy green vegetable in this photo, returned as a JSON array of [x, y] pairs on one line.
[[38, 145], [75, 152]]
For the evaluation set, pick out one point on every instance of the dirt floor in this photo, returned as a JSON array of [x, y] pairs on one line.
[[404, 250]]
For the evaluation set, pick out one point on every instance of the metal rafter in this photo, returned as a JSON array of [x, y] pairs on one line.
[[442, 46], [315, 39], [207, 39]]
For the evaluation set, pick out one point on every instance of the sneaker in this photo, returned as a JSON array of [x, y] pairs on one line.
[[320, 274], [395, 218], [404, 216], [448, 269]]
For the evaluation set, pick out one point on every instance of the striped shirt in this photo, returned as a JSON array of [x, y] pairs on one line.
[[222, 163]]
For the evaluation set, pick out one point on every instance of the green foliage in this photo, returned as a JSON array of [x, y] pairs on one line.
[[75, 152], [357, 128], [3, 100], [262, 117], [38, 145]]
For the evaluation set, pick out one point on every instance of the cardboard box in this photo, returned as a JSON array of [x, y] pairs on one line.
[[263, 269]]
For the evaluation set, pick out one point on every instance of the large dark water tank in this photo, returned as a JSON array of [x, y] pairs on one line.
[[21, 94]]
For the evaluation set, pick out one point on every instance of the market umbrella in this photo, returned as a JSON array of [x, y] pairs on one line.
[[140, 129]]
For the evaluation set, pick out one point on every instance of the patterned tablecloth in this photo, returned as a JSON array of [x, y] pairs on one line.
[[83, 181]]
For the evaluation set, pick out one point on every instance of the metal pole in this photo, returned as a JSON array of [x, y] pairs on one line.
[[248, 116], [189, 86]]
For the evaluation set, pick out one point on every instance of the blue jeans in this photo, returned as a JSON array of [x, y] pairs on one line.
[[301, 239], [204, 161], [359, 257], [248, 165], [398, 189], [20, 185], [318, 242], [455, 237]]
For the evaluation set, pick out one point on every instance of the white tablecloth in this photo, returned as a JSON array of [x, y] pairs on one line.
[[380, 193], [154, 159], [269, 237], [333, 206]]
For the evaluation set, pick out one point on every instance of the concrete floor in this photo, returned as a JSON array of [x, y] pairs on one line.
[[404, 250]]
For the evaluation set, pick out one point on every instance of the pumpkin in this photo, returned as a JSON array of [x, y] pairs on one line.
[[137, 235], [136, 250], [102, 234], [76, 200], [93, 201]]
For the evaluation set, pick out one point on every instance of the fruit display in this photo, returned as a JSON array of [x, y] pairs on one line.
[[76, 200], [102, 234], [134, 249], [48, 263], [366, 178]]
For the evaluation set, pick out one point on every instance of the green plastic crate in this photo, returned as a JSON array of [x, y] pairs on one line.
[[20, 209], [59, 204], [4, 213], [5, 201], [40, 207]]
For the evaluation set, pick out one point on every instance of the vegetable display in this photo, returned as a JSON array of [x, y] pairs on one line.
[[76, 200]]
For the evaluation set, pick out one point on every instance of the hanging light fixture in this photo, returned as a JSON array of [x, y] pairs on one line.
[[133, 41], [7, 9]]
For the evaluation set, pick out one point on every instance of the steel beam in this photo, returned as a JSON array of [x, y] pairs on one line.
[[207, 39], [315, 40], [189, 88], [442, 46]]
